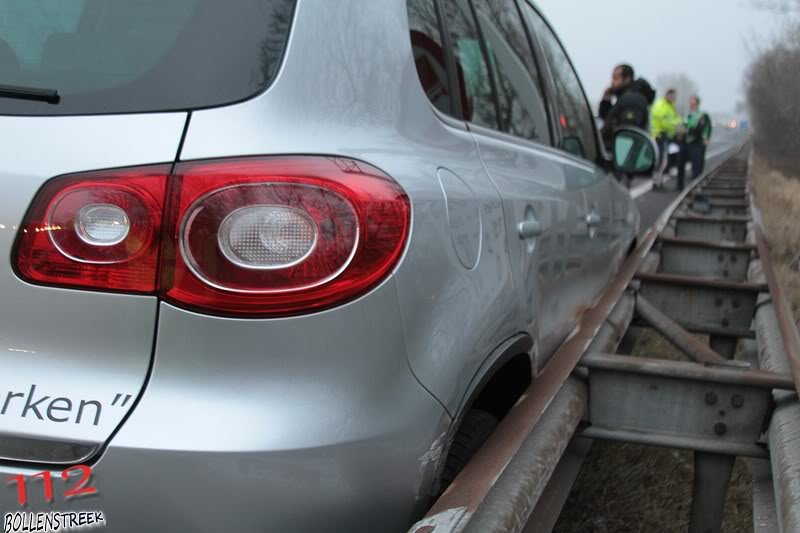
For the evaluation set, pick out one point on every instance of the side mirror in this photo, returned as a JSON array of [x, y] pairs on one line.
[[635, 153]]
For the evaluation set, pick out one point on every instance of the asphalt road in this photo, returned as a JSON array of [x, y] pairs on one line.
[[652, 202]]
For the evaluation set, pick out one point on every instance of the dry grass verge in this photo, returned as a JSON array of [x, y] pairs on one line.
[[779, 200], [627, 487]]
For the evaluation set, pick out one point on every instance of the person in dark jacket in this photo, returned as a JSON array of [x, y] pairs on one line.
[[632, 107], [698, 136]]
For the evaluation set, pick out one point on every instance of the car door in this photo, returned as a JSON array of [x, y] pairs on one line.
[[606, 242], [503, 101]]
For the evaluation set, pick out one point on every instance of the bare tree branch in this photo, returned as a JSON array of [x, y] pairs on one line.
[[771, 84], [783, 7]]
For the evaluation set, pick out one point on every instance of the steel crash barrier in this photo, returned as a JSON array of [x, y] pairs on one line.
[[703, 268]]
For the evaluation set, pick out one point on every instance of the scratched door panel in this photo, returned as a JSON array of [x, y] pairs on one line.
[[535, 185]]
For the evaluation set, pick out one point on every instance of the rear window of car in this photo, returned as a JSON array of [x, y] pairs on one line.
[[124, 56]]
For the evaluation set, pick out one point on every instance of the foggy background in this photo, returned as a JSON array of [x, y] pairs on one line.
[[712, 42]]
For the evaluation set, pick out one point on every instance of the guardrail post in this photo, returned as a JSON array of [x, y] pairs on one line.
[[712, 474]]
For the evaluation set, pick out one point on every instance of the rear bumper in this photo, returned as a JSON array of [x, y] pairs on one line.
[[304, 424]]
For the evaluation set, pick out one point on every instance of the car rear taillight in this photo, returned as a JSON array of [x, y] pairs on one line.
[[242, 237], [97, 230], [281, 236]]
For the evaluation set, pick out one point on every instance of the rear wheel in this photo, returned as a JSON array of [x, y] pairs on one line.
[[632, 248], [473, 432]]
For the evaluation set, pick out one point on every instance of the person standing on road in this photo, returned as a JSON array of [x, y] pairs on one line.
[[666, 125], [698, 135], [632, 106]]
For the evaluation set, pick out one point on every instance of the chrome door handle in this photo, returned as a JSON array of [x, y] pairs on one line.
[[593, 219], [529, 229]]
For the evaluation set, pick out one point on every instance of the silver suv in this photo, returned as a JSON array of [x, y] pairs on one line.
[[282, 265]]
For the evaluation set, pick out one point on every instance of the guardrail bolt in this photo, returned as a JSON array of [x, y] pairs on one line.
[[720, 428], [737, 401], [711, 398]]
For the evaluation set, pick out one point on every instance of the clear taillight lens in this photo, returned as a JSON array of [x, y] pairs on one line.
[[250, 237], [97, 230], [269, 237], [282, 236], [102, 225], [264, 237]]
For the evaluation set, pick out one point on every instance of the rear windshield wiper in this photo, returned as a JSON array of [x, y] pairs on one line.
[[50, 96]]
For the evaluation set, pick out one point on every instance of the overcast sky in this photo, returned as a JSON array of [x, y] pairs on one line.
[[709, 40]]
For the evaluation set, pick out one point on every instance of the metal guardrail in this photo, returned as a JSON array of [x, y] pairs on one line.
[[702, 268], [779, 350]]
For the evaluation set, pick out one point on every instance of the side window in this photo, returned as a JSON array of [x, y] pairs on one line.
[[427, 44], [477, 97], [577, 122], [522, 110]]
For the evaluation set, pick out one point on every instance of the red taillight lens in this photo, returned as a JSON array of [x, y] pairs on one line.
[[247, 237], [97, 230], [267, 237]]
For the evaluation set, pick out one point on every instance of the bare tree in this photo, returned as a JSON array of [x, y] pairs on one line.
[[682, 83], [783, 7], [772, 83]]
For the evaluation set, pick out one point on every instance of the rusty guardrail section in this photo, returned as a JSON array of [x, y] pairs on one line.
[[702, 269], [779, 350]]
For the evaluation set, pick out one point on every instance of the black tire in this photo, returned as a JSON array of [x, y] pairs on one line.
[[473, 432], [632, 248]]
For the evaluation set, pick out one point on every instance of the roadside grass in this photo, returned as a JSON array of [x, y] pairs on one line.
[[778, 198], [632, 488], [625, 487]]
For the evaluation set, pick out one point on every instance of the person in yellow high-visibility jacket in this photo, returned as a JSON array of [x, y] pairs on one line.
[[664, 118], [665, 124]]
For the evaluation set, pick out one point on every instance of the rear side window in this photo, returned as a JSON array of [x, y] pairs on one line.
[[577, 122], [429, 54], [119, 56], [519, 94], [477, 99]]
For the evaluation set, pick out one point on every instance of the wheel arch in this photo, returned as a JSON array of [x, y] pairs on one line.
[[511, 363]]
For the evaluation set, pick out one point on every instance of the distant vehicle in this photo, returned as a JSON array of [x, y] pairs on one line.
[[274, 266]]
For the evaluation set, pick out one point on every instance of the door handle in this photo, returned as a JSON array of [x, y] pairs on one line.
[[593, 219], [530, 229]]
